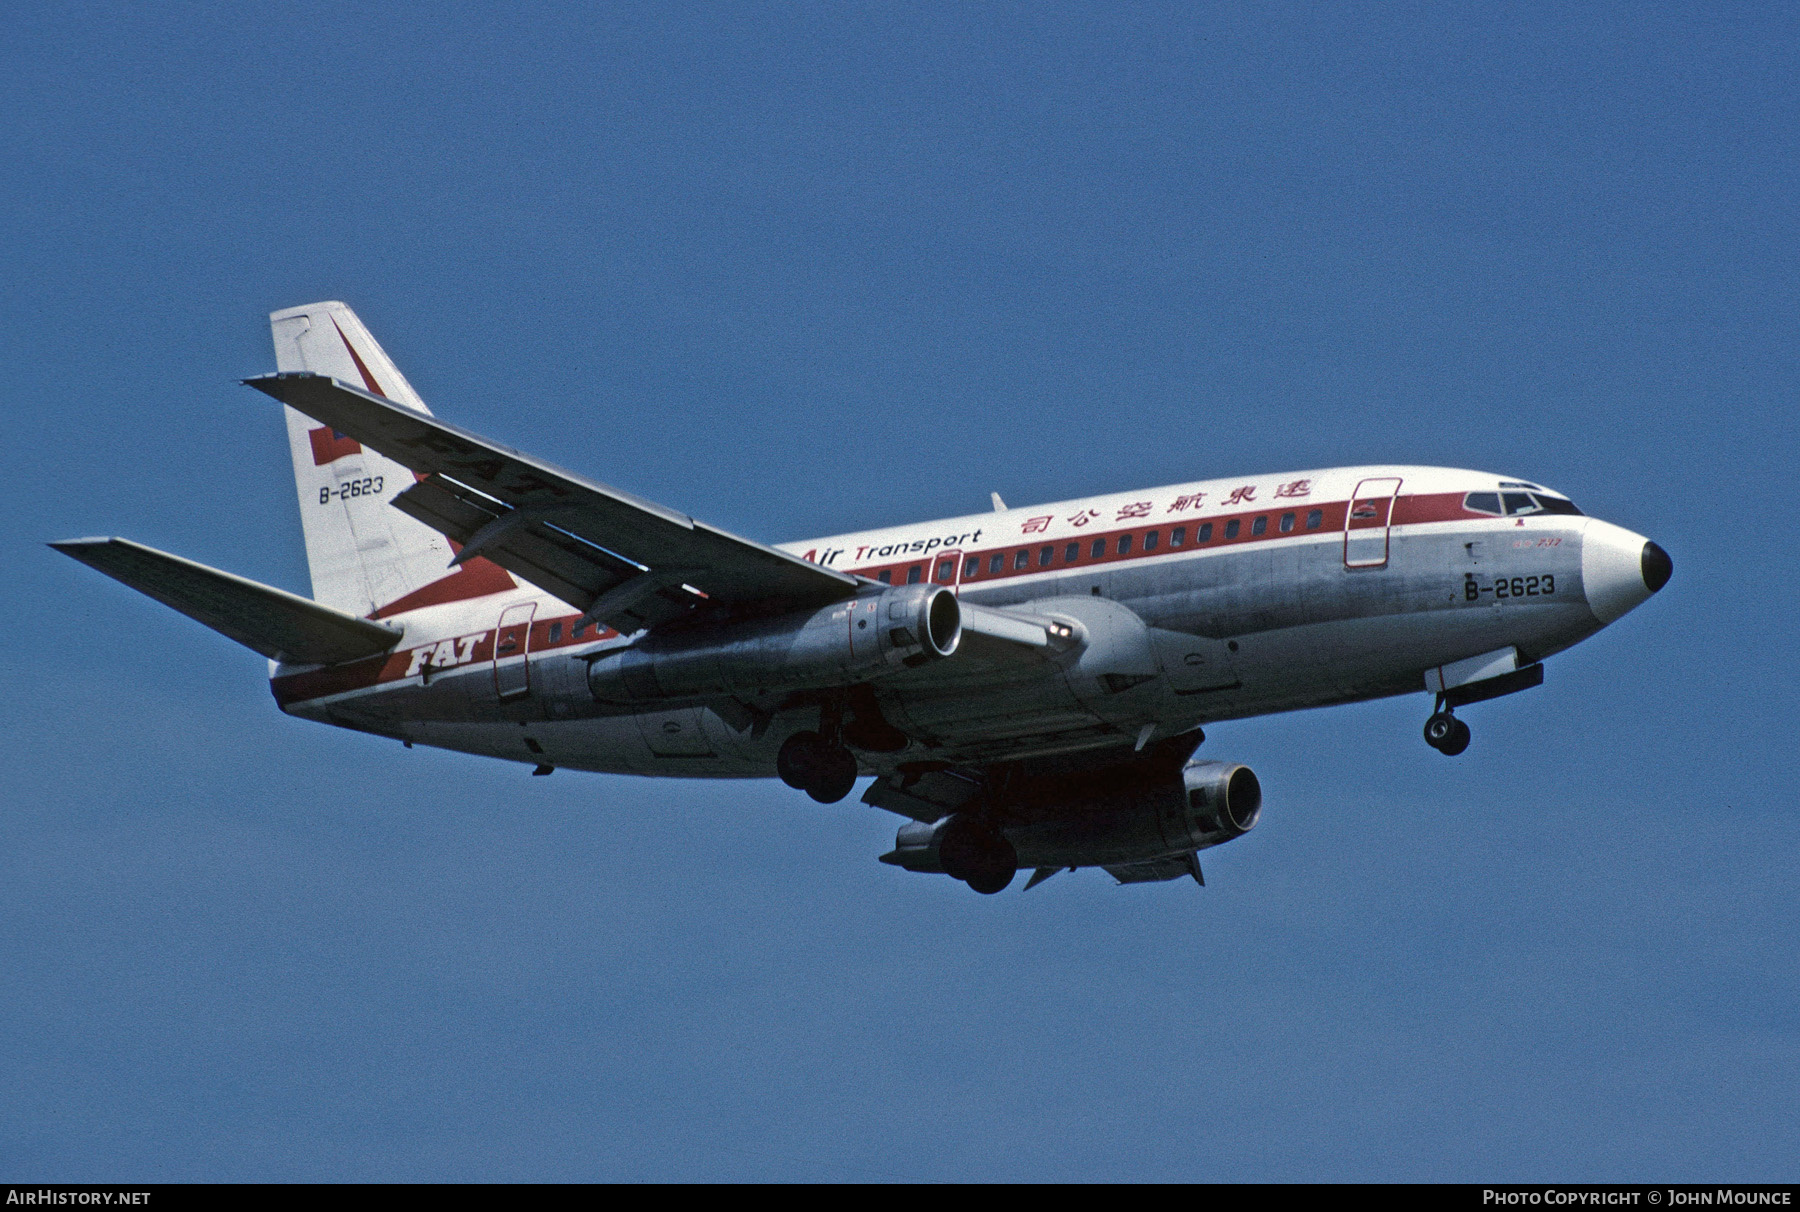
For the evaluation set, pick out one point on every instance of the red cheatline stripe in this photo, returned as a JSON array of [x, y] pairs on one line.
[[1406, 510], [392, 667]]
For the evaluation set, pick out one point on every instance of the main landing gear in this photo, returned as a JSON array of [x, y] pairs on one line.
[[1445, 733], [820, 763], [808, 762]]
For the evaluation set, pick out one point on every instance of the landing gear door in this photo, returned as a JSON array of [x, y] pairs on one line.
[[512, 667], [1366, 523]]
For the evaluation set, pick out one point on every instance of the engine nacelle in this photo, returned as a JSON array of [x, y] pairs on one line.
[[1207, 804], [1224, 801], [853, 641]]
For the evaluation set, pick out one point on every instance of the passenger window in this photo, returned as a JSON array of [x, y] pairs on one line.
[[1482, 502], [556, 633], [1519, 502], [1178, 536], [577, 633], [1231, 529], [1261, 524], [1150, 541], [915, 574], [1046, 556], [1098, 550], [886, 577], [1204, 534], [1071, 553], [997, 561], [971, 566], [1287, 523], [1313, 518], [1124, 544], [946, 571], [1022, 558]]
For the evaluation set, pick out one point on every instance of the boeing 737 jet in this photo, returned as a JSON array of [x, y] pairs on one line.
[[1027, 687]]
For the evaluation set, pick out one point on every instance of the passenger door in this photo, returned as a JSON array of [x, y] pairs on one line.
[[512, 642], [1367, 520]]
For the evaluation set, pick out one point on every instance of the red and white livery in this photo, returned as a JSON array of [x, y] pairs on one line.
[[1026, 686]]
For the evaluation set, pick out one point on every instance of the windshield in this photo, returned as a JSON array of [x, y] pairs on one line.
[[1514, 504]]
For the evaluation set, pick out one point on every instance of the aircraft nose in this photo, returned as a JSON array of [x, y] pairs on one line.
[[1619, 569], [1656, 566]]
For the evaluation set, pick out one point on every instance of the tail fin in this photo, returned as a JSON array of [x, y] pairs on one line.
[[365, 558]]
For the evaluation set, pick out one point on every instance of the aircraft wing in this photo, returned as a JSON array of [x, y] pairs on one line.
[[622, 560], [274, 622]]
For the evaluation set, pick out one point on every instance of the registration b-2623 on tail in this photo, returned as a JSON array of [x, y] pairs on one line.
[[1027, 687]]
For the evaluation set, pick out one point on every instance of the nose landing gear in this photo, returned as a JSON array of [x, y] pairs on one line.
[[1445, 733]]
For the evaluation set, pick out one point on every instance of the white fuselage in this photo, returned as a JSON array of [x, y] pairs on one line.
[[1213, 600]]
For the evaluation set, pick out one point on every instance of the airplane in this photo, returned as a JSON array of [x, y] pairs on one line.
[[1027, 687]]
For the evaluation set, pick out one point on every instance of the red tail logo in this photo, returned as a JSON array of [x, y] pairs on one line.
[[329, 444]]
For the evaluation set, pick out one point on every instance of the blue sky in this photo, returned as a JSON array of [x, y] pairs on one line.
[[799, 269]]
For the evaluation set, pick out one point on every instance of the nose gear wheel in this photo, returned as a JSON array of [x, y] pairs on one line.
[[1446, 734]]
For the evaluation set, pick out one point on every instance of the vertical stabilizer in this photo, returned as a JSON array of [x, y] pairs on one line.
[[365, 558]]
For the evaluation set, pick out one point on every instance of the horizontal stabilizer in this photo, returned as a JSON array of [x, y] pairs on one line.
[[274, 622]]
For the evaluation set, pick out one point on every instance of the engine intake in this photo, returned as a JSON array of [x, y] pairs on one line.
[[854, 641], [1224, 801]]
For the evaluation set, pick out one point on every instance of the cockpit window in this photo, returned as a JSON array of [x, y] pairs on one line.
[[1513, 504]]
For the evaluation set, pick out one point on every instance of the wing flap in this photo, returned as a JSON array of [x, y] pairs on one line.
[[274, 622], [1159, 870], [923, 797], [638, 533], [536, 549]]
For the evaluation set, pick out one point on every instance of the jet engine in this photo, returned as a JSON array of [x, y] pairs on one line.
[[1206, 804], [853, 641], [1223, 801]]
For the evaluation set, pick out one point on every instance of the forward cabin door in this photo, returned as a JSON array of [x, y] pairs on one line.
[[512, 669], [1367, 521]]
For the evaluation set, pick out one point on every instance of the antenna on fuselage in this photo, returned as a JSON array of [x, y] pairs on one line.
[[999, 505]]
